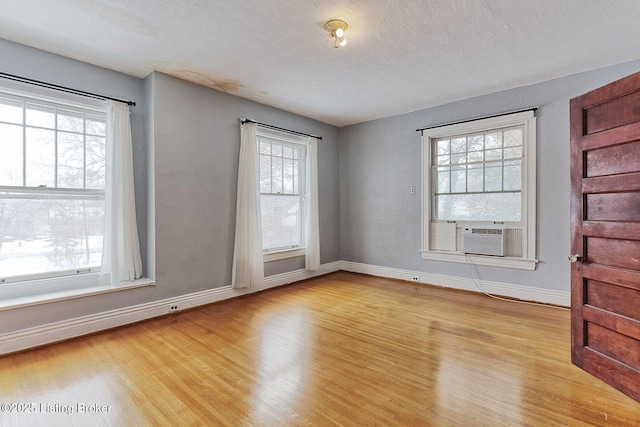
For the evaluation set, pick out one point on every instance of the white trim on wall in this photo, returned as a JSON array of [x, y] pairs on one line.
[[46, 334], [525, 293], [527, 261]]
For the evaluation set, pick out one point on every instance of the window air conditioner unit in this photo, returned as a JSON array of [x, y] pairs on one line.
[[484, 241]]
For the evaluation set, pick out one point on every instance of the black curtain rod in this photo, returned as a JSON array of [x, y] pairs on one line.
[[62, 88], [478, 118], [243, 121]]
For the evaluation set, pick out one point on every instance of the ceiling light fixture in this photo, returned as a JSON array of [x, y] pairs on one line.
[[337, 27]]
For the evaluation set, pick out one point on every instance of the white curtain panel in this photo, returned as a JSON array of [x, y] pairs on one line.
[[248, 265], [312, 227], [121, 260]]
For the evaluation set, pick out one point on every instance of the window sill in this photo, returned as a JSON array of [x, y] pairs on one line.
[[31, 298], [486, 260], [287, 253]]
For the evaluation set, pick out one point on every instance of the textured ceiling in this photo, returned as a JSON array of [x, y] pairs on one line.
[[401, 56]]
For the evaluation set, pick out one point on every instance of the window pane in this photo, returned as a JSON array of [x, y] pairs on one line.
[[281, 221], [265, 173], [70, 160], [475, 143], [442, 147], [512, 175], [11, 111], [41, 116], [493, 154], [95, 162], [475, 156], [276, 173], [458, 179], [40, 157], [72, 121], [493, 177], [513, 153], [287, 152], [475, 178], [276, 149], [478, 207], [493, 140], [265, 147], [11, 155], [443, 160], [513, 137], [287, 172], [96, 125], [459, 158], [296, 177], [443, 180], [49, 235], [459, 145]]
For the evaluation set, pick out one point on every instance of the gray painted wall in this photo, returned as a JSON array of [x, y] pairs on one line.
[[197, 144], [380, 160], [186, 143]]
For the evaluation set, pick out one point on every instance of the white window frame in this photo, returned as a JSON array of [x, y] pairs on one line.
[[288, 138], [62, 100], [33, 290], [527, 120]]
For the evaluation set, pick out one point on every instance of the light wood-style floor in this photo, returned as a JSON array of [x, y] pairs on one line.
[[343, 349]]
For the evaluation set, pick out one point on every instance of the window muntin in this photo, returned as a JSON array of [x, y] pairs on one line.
[[478, 177], [52, 178], [281, 165]]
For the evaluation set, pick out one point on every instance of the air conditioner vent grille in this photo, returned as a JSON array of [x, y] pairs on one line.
[[496, 231], [484, 241]]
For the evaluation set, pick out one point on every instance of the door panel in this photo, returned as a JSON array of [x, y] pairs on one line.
[[620, 182], [605, 232], [613, 252], [614, 160], [605, 115], [607, 207], [613, 230], [617, 299], [612, 372], [615, 345], [628, 279]]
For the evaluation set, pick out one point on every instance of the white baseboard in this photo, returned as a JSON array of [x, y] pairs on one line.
[[27, 338], [40, 335], [298, 275], [525, 293]]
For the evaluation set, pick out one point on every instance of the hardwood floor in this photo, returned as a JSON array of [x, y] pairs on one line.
[[343, 349]]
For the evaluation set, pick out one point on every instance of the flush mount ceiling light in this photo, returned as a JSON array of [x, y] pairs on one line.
[[337, 27]]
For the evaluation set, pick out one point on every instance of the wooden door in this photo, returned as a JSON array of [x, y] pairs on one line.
[[605, 229]]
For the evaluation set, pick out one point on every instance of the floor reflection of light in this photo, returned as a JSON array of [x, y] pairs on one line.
[[85, 401], [283, 350], [469, 384]]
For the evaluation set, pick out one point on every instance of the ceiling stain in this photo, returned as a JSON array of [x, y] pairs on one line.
[[182, 72], [223, 85]]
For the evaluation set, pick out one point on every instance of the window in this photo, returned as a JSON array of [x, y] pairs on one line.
[[480, 174], [52, 180], [282, 190]]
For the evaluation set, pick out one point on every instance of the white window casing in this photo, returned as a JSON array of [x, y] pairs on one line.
[[49, 168], [439, 242], [74, 181], [291, 192]]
